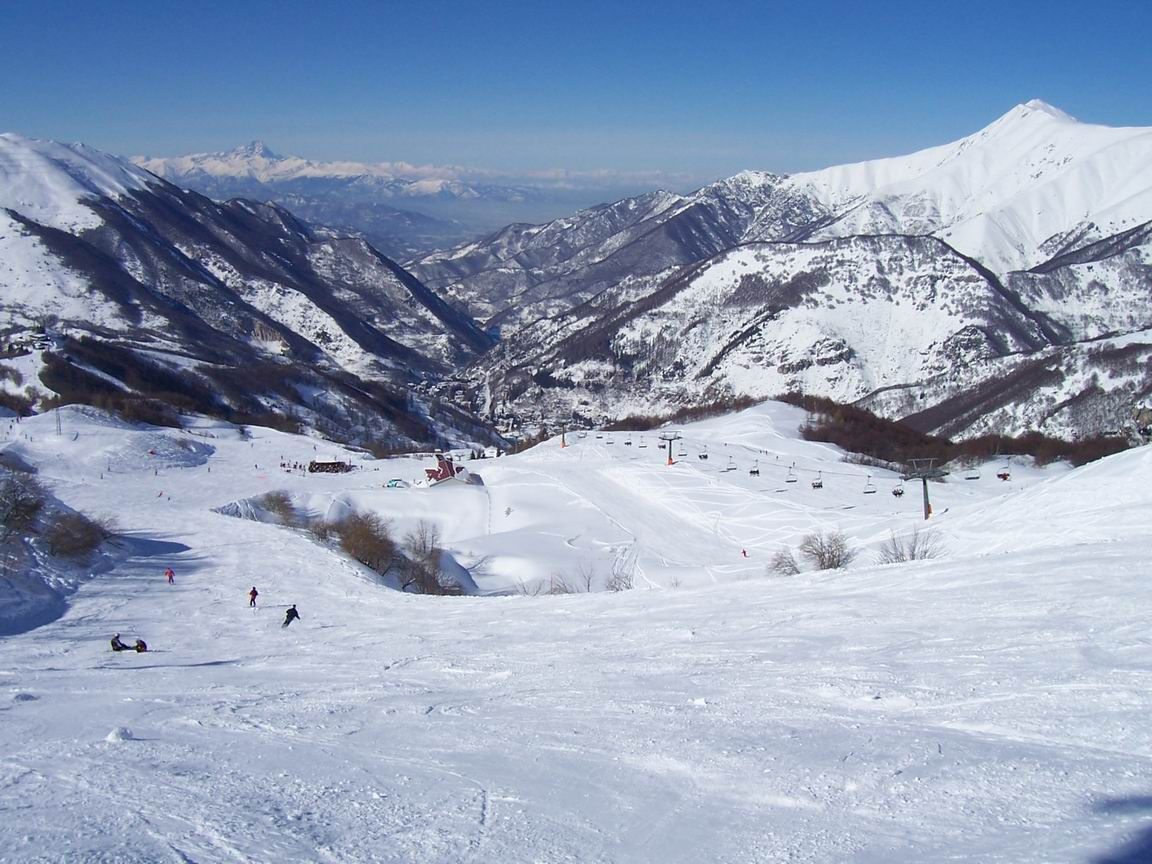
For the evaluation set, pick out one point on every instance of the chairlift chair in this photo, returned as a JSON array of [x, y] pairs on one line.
[[818, 483], [869, 487], [731, 466], [754, 471], [1005, 473], [791, 478], [703, 454], [628, 442], [643, 443], [972, 473], [898, 489]]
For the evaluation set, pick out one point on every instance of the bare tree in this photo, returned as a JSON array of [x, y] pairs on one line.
[[422, 569], [21, 500], [585, 576], [783, 563], [322, 529], [279, 504], [74, 535], [558, 585], [917, 546], [827, 551], [365, 536], [481, 568], [623, 575]]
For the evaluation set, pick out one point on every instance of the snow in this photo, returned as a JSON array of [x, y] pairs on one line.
[[48, 182], [989, 706], [998, 194], [35, 284]]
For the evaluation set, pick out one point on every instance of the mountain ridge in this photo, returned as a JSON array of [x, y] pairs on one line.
[[1066, 273], [341, 332]]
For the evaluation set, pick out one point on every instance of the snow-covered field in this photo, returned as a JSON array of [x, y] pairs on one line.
[[991, 705]]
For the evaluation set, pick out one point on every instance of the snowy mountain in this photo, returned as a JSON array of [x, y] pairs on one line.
[[1015, 194], [400, 208], [1032, 185], [926, 281], [986, 704], [233, 297]]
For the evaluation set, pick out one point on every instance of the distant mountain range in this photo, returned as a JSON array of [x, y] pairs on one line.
[[402, 209], [999, 283], [1002, 283]]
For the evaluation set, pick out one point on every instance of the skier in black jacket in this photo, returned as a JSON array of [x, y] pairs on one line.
[[290, 616]]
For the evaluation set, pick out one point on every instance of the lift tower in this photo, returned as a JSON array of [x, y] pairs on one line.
[[924, 470]]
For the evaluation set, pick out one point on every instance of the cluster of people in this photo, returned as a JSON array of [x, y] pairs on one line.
[[139, 647], [289, 616], [170, 575]]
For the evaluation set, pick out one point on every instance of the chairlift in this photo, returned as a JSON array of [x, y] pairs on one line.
[[608, 441], [973, 473], [869, 486], [681, 451], [818, 483], [599, 435], [731, 466], [581, 434], [703, 454], [754, 471], [791, 478], [628, 442], [643, 443], [898, 489], [1005, 474]]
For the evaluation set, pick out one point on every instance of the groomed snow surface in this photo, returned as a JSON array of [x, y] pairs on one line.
[[988, 706]]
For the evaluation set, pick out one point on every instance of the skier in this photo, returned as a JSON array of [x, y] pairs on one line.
[[170, 575], [117, 645], [290, 616], [141, 646], [252, 595]]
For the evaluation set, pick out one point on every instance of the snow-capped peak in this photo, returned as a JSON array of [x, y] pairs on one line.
[[1000, 193], [1051, 110], [48, 182], [253, 149], [1025, 118]]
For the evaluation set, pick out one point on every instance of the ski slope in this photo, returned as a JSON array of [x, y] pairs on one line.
[[987, 706]]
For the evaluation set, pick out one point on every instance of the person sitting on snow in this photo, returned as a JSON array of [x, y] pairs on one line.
[[141, 646], [117, 645]]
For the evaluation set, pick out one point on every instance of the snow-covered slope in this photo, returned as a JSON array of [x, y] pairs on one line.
[[49, 182], [988, 705]]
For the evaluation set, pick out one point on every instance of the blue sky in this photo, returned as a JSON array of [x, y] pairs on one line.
[[671, 87]]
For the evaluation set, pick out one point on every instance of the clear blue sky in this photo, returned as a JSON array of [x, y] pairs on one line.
[[667, 86]]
